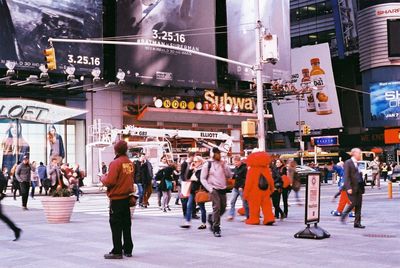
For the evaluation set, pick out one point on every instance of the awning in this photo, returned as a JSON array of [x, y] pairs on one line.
[[36, 111], [195, 116]]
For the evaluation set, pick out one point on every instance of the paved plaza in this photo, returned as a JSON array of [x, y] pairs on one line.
[[159, 242]]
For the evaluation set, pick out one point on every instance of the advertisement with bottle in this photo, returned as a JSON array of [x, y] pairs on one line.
[[315, 100], [186, 24]]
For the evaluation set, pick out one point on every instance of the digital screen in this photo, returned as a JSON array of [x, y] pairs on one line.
[[27, 25], [187, 24], [394, 37], [385, 101]]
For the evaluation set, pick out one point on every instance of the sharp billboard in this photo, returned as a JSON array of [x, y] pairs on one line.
[[186, 24], [27, 25]]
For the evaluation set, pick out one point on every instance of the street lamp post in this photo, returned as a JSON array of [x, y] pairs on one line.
[[258, 69]]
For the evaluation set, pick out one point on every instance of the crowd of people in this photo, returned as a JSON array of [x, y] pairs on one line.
[[25, 177]]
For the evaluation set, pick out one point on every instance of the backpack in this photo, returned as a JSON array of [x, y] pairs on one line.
[[262, 183]]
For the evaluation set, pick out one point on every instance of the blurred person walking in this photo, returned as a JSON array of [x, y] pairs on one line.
[[34, 178], [119, 183], [10, 223], [277, 169], [214, 175], [239, 175], [23, 175], [42, 173], [166, 178], [376, 177], [184, 176], [354, 185], [195, 175]]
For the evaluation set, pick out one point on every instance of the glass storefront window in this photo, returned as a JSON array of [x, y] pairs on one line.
[[19, 138]]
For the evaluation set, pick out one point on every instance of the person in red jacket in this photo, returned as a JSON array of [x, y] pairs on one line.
[[256, 197], [119, 183]]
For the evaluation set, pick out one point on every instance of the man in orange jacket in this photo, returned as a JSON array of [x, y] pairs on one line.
[[119, 183], [256, 197]]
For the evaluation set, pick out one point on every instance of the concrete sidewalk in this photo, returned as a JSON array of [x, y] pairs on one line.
[[159, 242]]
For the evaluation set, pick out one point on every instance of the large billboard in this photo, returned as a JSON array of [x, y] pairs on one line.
[[27, 25], [385, 102], [312, 77], [185, 24], [241, 17]]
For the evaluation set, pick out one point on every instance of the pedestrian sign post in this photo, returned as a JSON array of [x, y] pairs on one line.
[[312, 209]]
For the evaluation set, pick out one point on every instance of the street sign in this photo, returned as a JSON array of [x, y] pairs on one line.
[[325, 141], [312, 209]]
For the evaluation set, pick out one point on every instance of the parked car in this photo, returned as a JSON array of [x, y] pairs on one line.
[[303, 172], [363, 167]]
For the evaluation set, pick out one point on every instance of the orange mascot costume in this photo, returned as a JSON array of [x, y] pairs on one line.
[[258, 164]]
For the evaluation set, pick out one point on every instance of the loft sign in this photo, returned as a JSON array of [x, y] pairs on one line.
[[36, 111], [23, 112]]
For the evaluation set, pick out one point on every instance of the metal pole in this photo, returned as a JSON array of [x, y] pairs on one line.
[[258, 69], [300, 132]]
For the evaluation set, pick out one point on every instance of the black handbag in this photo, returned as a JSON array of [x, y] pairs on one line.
[[262, 183]]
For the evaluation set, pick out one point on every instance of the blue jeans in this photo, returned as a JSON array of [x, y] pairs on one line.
[[141, 193], [189, 209], [235, 194]]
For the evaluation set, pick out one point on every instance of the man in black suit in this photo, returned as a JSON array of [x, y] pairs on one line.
[[354, 185]]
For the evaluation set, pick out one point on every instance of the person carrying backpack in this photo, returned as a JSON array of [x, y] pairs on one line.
[[213, 177]]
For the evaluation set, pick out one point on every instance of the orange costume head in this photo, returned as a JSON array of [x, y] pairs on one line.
[[258, 164]]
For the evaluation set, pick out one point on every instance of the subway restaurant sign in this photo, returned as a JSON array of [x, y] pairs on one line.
[[36, 111], [210, 102]]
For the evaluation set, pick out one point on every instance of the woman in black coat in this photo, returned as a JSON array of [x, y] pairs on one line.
[[166, 177], [276, 195]]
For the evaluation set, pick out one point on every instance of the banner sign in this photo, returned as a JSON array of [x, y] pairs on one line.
[[27, 25], [385, 101], [184, 24], [241, 20], [312, 77], [211, 102], [36, 111], [325, 141], [312, 198]]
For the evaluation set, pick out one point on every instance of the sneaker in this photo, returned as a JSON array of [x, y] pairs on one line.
[[112, 256], [169, 209], [129, 255], [217, 232], [17, 233], [164, 210], [186, 225], [202, 227]]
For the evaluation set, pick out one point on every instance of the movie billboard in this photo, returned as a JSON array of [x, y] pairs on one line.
[[385, 101], [187, 24], [241, 20], [314, 100], [27, 25]]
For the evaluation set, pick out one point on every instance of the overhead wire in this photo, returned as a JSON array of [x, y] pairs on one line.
[[130, 37]]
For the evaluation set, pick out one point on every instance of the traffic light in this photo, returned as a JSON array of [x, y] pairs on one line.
[[306, 130], [50, 58]]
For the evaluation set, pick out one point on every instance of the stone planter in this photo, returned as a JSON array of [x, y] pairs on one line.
[[58, 209]]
